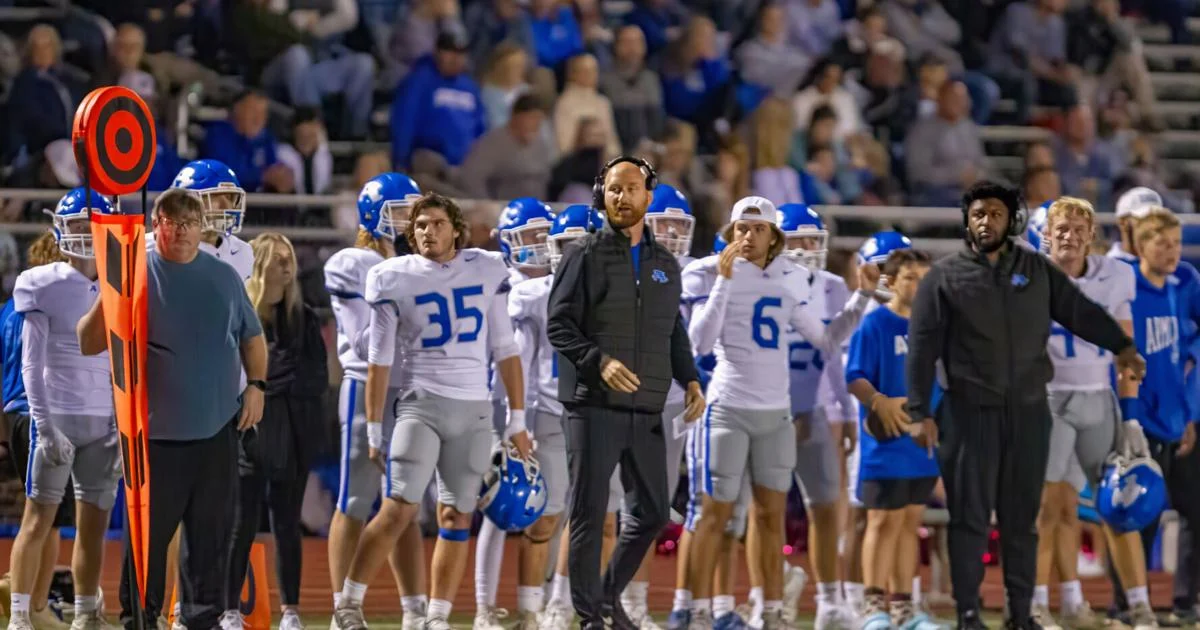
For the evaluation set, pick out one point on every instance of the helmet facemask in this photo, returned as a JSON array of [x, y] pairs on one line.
[[808, 247], [73, 232], [673, 230], [528, 245], [556, 243], [224, 209]]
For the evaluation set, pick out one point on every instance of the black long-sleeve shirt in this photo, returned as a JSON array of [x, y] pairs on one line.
[[599, 307], [989, 325]]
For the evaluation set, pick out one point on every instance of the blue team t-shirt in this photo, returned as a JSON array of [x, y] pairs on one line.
[[878, 351], [199, 316], [11, 325]]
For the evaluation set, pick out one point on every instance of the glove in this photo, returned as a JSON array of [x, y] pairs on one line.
[[1133, 440], [55, 448]]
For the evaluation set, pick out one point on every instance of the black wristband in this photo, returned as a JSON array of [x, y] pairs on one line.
[[260, 384]]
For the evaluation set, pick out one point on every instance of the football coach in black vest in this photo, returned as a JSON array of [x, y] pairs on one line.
[[614, 320]]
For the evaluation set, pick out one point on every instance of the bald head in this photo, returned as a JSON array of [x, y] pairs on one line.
[[626, 196]]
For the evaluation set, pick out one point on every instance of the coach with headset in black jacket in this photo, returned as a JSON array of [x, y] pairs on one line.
[[614, 320], [985, 313]]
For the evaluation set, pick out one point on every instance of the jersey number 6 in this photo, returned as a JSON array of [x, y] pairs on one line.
[[440, 316], [764, 329]]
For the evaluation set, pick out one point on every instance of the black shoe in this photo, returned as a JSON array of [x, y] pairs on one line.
[[970, 620], [620, 621], [1027, 624]]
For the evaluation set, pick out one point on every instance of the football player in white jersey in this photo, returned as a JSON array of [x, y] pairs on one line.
[[522, 231], [819, 400], [1087, 424], [73, 433], [747, 425], [448, 307], [224, 208], [383, 206]]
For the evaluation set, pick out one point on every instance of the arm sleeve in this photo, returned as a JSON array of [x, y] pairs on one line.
[[829, 337], [526, 335], [1080, 315], [382, 334], [833, 394], [565, 313], [353, 316], [683, 363], [501, 342], [707, 318], [34, 336], [926, 338]]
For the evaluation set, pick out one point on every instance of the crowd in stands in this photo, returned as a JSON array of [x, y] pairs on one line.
[[816, 101]]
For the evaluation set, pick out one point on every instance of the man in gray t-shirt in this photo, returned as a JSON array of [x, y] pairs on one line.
[[202, 330]]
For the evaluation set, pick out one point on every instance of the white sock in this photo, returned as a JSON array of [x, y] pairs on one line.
[[683, 600], [84, 604], [529, 598], [414, 603], [19, 602], [353, 593], [723, 604], [337, 600], [439, 609], [1072, 595], [916, 592], [773, 605], [854, 594], [1136, 595], [1041, 595], [634, 595], [827, 594], [560, 590], [489, 555], [756, 594], [701, 604], [756, 602]]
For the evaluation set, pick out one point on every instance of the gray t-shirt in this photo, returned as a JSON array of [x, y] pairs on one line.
[[199, 316]]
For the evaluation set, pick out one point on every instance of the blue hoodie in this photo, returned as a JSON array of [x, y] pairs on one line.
[[684, 96], [431, 111], [1160, 317], [11, 325], [248, 157], [556, 39]]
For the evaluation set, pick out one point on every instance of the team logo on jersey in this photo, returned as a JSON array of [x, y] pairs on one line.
[[1019, 280], [659, 276]]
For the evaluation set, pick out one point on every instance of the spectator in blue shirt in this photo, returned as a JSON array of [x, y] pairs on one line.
[[696, 78], [556, 34], [660, 21], [438, 106], [44, 95], [243, 142]]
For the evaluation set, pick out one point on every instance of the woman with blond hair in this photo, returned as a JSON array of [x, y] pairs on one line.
[[275, 463]]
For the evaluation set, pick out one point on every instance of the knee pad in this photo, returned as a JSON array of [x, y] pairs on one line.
[[454, 535]]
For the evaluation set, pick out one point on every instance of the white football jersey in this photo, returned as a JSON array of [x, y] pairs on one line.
[[676, 395], [528, 307], [1116, 251], [744, 321], [451, 319], [495, 383], [346, 282], [232, 250], [74, 384], [809, 368], [1078, 364]]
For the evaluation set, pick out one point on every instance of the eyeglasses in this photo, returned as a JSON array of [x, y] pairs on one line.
[[184, 226]]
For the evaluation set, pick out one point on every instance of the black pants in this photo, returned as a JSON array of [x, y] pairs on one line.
[[284, 497], [1182, 488], [597, 440], [993, 458], [193, 483]]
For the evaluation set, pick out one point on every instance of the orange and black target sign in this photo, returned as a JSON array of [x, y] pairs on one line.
[[114, 140]]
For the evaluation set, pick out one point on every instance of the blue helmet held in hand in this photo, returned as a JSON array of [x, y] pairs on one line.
[[1132, 493], [514, 492]]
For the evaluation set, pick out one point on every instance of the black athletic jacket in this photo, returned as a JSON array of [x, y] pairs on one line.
[[989, 325], [596, 309]]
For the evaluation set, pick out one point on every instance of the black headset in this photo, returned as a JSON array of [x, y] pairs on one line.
[[1018, 218], [598, 183]]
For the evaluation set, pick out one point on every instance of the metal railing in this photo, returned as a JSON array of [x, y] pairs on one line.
[[486, 211]]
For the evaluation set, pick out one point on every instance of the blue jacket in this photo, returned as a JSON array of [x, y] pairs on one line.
[[685, 95], [556, 39], [248, 157], [1160, 317], [39, 112], [11, 325], [431, 111]]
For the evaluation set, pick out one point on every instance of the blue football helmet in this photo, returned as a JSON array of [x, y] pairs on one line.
[[1132, 493], [876, 249], [1035, 232], [719, 244], [221, 195], [514, 492], [384, 202], [72, 222], [670, 216], [572, 223], [523, 229], [806, 239]]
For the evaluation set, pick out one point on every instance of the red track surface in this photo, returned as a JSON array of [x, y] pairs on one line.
[[382, 598]]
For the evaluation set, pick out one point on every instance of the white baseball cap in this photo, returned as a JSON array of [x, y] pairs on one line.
[[61, 159], [754, 209], [1136, 202]]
